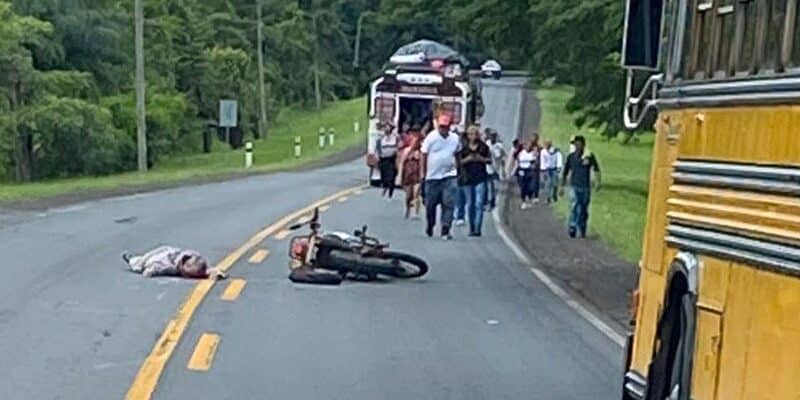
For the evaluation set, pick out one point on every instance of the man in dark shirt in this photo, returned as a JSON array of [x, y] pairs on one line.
[[578, 170]]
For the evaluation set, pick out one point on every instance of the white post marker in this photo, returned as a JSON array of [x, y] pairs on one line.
[[297, 147], [331, 136], [321, 137], [356, 126], [248, 154]]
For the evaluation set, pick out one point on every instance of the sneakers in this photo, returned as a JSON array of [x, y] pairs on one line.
[[572, 232], [460, 222], [126, 256], [536, 201], [429, 231], [446, 233], [524, 205]]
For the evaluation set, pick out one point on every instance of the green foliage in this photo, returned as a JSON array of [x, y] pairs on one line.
[[74, 137], [198, 52]]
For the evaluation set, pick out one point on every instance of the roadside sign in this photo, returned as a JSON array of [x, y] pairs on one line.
[[228, 113]]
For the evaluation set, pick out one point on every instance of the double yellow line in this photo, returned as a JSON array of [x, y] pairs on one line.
[[150, 372]]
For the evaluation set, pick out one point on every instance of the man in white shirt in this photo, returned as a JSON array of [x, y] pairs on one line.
[[440, 168], [495, 169], [552, 162]]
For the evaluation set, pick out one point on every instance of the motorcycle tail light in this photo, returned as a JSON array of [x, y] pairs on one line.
[[298, 248]]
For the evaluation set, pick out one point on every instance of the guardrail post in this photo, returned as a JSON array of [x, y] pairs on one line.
[[331, 136], [356, 126], [321, 137], [297, 147], [248, 154]]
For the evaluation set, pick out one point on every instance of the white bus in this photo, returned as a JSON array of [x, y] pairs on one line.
[[422, 80]]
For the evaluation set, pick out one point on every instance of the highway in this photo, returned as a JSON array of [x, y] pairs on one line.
[[76, 325]]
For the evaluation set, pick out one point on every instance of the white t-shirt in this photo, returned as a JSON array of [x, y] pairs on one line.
[[526, 159], [551, 159], [441, 153]]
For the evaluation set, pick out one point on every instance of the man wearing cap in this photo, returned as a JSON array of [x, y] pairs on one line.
[[578, 169], [439, 166]]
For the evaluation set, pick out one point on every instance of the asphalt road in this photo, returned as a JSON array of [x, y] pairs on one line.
[[76, 325]]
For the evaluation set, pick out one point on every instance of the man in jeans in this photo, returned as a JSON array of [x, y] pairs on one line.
[[439, 150], [578, 169]]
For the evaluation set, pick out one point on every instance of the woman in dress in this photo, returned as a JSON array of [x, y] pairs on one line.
[[412, 176]]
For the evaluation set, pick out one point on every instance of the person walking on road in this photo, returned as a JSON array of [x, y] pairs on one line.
[[411, 176], [439, 166], [526, 166], [387, 147], [473, 159], [171, 261], [552, 162], [495, 169], [578, 170]]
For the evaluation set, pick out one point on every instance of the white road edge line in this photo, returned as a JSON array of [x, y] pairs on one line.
[[562, 294]]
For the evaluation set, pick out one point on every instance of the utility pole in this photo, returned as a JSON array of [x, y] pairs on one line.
[[262, 90], [317, 94], [141, 119], [357, 50]]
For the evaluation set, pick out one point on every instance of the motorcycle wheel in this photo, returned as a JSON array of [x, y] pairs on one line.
[[405, 265], [389, 263]]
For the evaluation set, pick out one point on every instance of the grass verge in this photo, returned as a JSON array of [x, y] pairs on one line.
[[618, 209], [274, 153]]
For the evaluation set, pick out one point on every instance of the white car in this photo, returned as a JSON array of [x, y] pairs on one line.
[[492, 68]]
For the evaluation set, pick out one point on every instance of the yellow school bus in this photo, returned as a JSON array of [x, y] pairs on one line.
[[717, 313]]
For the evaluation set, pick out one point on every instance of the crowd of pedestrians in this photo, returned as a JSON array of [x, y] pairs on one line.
[[456, 175]]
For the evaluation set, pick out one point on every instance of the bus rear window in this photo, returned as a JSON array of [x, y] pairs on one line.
[[384, 109]]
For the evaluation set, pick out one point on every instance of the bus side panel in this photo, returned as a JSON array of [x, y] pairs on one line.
[[651, 289], [739, 309], [763, 135], [706, 357], [773, 366]]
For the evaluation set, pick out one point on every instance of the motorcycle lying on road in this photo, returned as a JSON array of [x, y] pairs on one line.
[[329, 257]]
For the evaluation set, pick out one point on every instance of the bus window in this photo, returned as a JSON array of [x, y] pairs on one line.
[[795, 35], [775, 20], [723, 38], [384, 109], [746, 27], [454, 109]]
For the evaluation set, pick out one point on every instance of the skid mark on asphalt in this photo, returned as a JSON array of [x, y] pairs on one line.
[[233, 290], [282, 234], [259, 256], [204, 352]]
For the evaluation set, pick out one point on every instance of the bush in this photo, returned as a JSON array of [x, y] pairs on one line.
[[73, 137]]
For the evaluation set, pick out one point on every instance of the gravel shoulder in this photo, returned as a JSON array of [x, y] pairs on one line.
[[587, 267]]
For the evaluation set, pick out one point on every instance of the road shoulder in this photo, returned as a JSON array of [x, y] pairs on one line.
[[584, 267]]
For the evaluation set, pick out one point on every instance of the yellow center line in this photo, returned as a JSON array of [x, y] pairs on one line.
[[233, 290], [153, 366], [282, 234], [204, 352], [259, 256]]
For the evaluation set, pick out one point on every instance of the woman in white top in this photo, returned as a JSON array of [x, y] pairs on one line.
[[526, 166], [387, 147]]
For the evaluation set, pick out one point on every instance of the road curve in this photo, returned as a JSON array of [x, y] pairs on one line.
[[478, 326]]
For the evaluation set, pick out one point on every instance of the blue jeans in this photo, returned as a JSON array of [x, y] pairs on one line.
[[461, 203], [476, 197], [579, 210], [440, 192], [551, 185]]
